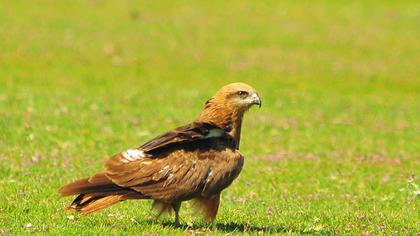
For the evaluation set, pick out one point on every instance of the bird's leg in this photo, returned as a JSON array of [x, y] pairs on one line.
[[161, 208], [211, 206], [176, 206]]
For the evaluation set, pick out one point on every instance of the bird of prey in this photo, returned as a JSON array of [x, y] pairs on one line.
[[193, 162]]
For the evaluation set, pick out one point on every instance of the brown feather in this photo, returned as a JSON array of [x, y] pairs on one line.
[[98, 182], [96, 193], [184, 134], [91, 203]]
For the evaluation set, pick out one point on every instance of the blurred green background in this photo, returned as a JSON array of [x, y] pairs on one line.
[[335, 149]]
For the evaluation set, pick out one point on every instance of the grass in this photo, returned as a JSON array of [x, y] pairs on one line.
[[335, 149]]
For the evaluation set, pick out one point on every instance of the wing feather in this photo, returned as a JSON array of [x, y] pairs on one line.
[[178, 173], [189, 133]]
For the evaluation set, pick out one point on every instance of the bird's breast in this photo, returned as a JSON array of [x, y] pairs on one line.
[[222, 171]]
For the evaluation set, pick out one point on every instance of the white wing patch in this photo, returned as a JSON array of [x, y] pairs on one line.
[[133, 154], [215, 133]]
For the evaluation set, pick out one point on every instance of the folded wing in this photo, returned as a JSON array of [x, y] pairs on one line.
[[179, 164]]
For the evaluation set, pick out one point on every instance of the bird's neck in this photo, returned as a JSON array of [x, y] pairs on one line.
[[227, 118]]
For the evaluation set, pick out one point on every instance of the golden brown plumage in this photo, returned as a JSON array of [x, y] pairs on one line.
[[196, 161]]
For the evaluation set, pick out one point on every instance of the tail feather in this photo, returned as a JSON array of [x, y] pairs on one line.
[[96, 193], [96, 183]]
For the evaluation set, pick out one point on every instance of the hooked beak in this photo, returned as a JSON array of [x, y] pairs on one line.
[[256, 100]]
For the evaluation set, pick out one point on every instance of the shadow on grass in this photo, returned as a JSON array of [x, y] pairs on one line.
[[230, 227], [241, 227]]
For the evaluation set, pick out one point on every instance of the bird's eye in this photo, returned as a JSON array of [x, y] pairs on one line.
[[243, 94]]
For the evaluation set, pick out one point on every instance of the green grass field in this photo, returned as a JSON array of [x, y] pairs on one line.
[[335, 148]]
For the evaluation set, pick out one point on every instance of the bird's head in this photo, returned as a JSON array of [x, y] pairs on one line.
[[227, 107], [238, 96]]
